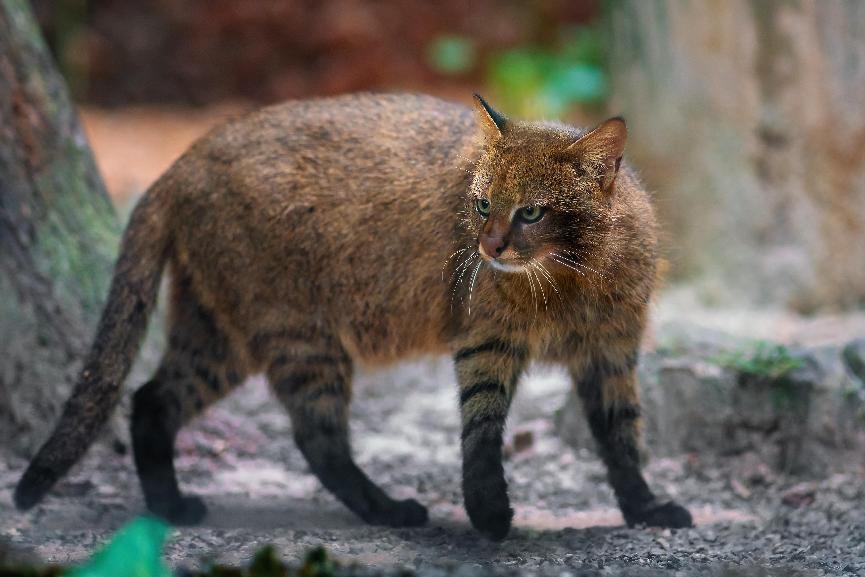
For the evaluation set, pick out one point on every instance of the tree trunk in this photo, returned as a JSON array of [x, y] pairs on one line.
[[58, 231], [748, 119]]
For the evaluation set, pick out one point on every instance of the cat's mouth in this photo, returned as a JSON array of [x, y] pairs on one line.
[[510, 261], [505, 266]]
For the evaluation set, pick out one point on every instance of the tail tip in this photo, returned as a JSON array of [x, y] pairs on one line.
[[25, 499], [30, 491]]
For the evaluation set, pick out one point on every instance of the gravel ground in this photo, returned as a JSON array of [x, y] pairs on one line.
[[405, 426]]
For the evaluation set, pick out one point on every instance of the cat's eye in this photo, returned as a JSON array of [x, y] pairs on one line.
[[531, 213], [483, 206]]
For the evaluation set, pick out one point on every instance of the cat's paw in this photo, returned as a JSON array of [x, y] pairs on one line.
[[186, 510], [660, 514], [406, 513], [490, 514]]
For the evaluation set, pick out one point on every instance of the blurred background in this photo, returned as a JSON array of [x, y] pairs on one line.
[[171, 69], [747, 117], [746, 123]]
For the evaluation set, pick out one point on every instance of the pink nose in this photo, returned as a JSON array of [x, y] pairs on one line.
[[493, 245]]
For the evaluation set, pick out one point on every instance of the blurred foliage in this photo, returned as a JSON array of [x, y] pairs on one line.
[[200, 51], [534, 81], [266, 563], [451, 54], [769, 364], [540, 82], [136, 551], [762, 359]]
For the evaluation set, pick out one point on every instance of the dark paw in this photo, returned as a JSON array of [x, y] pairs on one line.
[[491, 516], [407, 513], [189, 510], [661, 514]]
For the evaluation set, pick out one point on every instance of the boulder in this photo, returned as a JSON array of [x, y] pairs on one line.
[[802, 418]]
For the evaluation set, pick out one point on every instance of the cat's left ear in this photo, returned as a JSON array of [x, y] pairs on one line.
[[492, 121], [602, 148]]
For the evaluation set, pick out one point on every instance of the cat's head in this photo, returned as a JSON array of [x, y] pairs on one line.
[[542, 192]]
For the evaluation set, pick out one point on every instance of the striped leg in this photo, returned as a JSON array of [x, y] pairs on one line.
[[608, 389], [197, 369], [487, 371], [312, 379]]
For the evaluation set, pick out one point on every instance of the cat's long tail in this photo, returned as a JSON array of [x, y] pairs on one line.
[[134, 289]]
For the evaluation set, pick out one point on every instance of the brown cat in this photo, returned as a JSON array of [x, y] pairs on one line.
[[313, 236]]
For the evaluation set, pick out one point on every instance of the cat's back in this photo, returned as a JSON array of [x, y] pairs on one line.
[[349, 155], [324, 201], [368, 135]]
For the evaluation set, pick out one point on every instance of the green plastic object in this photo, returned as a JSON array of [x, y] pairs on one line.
[[135, 551]]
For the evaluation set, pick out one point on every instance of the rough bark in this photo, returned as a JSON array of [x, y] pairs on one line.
[[58, 231], [747, 119]]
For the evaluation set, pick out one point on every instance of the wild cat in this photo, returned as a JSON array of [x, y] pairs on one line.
[[314, 236]]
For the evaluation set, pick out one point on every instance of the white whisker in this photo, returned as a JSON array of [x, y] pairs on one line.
[[448, 259], [465, 265], [583, 265], [563, 263], [540, 284], [577, 264], [540, 266], [472, 285], [532, 287]]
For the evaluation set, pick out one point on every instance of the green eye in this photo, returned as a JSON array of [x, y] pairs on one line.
[[531, 213], [483, 206]]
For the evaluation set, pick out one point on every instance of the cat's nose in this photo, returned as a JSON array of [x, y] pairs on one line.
[[493, 245]]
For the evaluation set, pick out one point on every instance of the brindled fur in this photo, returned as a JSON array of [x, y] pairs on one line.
[[312, 237]]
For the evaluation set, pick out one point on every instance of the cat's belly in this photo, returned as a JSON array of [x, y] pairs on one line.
[[385, 336]]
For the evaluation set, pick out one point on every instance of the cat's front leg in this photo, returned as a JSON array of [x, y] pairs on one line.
[[607, 385], [487, 371]]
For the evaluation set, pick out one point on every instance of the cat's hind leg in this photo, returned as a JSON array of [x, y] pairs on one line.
[[311, 375], [197, 369]]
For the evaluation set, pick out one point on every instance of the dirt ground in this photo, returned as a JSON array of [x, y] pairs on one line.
[[241, 458]]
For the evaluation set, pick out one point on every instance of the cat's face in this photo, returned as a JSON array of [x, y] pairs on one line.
[[541, 193]]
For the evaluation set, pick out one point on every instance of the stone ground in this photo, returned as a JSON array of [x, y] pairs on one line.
[[241, 458]]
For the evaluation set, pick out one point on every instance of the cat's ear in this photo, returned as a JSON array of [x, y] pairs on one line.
[[492, 122], [601, 148]]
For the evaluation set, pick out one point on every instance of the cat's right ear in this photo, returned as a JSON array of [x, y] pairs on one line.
[[602, 148], [492, 122]]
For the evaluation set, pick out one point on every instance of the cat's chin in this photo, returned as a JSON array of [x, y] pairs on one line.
[[504, 267]]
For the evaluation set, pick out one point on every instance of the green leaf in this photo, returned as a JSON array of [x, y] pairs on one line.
[[135, 551]]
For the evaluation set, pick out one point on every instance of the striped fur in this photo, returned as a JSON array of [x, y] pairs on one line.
[[487, 371], [301, 244]]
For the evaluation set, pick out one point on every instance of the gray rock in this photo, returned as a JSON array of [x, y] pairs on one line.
[[694, 401], [854, 358]]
